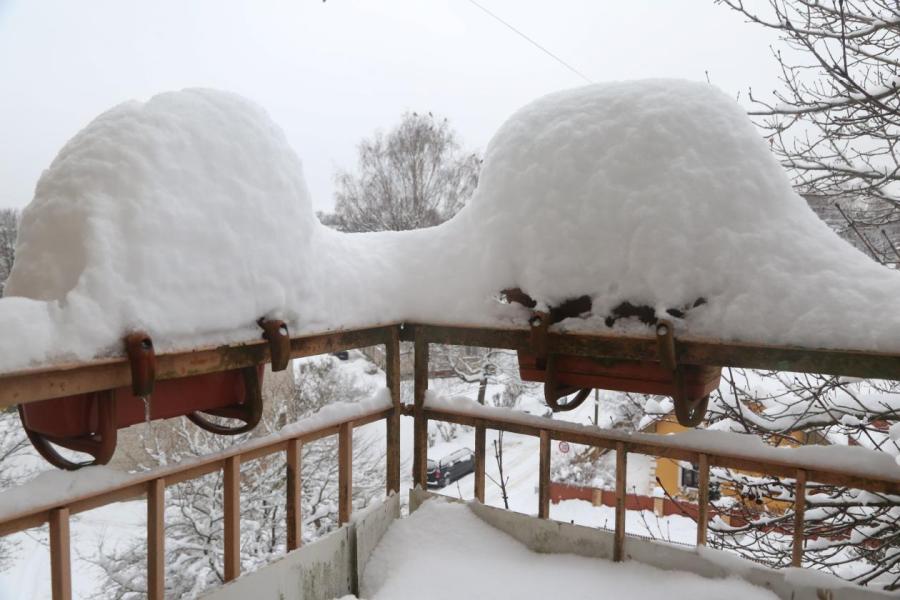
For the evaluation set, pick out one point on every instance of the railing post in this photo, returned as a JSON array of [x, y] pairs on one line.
[[799, 518], [420, 427], [621, 467], [392, 372], [703, 500], [294, 487], [156, 539], [544, 477], [479, 461], [232, 521], [345, 472], [60, 556]]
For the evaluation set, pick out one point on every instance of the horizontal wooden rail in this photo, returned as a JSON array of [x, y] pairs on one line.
[[138, 485], [664, 446], [853, 363], [33, 385], [68, 379]]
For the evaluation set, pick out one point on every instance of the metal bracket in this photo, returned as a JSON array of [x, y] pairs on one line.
[[142, 360], [540, 324], [279, 338], [688, 411]]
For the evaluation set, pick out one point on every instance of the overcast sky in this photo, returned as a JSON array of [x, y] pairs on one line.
[[333, 72]]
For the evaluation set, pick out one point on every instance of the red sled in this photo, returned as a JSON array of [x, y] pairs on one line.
[[563, 375], [89, 422]]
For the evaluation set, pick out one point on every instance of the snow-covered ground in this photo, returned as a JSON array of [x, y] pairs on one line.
[[443, 551]]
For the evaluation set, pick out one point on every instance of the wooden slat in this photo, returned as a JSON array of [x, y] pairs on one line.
[[156, 540], [849, 362], [480, 444], [392, 373], [33, 385], [703, 500], [662, 446], [60, 555], [799, 519], [345, 473], [232, 521], [420, 426], [619, 536], [544, 476], [294, 488]]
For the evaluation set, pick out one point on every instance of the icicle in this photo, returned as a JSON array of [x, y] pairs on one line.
[[146, 401]]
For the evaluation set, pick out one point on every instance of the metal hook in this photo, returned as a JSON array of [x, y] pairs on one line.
[[142, 360], [279, 338]]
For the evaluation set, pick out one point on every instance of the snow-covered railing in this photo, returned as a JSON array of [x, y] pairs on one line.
[[852, 467], [20, 511], [872, 472]]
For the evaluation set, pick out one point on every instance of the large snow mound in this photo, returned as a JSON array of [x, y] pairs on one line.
[[443, 551], [187, 215]]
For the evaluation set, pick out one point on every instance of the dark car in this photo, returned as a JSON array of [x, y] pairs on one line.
[[451, 467]]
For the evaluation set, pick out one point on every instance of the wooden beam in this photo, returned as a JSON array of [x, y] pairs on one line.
[[703, 500], [345, 473], [420, 426], [619, 536], [850, 362], [232, 521], [392, 374], [294, 490], [33, 385], [799, 519], [480, 444], [156, 539], [60, 555], [544, 476]]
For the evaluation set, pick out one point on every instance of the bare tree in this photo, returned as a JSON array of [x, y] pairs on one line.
[[9, 229], [414, 176], [834, 120], [855, 532]]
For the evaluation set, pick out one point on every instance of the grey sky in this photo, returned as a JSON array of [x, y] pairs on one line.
[[330, 73]]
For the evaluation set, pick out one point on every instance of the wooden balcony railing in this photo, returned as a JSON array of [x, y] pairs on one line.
[[880, 479], [39, 384], [153, 483]]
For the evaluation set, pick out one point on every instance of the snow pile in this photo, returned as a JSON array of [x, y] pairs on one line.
[[444, 551], [187, 215], [49, 486]]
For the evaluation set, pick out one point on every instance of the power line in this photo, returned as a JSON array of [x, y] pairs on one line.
[[534, 43]]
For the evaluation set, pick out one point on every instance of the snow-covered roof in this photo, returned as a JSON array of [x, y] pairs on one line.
[[187, 215]]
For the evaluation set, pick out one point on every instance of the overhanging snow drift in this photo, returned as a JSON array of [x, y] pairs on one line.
[[188, 216]]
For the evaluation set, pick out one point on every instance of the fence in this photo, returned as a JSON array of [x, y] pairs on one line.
[[35, 385]]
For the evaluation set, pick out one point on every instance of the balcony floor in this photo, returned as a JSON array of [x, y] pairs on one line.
[[444, 551]]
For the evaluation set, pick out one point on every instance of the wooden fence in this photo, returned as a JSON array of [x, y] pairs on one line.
[[39, 384]]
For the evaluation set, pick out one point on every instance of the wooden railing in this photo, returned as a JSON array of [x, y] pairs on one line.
[[38, 384], [153, 483], [704, 455]]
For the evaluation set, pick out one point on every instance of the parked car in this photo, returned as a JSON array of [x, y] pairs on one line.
[[451, 467]]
